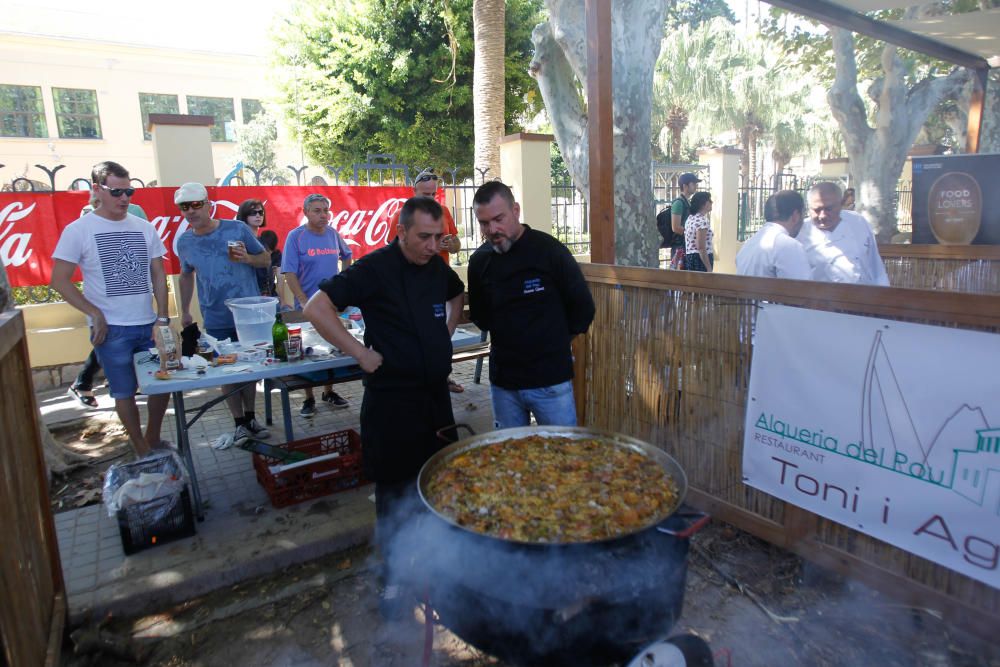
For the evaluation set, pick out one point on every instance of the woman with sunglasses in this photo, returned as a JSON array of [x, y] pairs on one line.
[[251, 212]]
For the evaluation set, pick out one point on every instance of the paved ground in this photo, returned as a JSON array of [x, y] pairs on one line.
[[242, 535]]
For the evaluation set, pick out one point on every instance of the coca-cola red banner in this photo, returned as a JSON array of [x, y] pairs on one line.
[[30, 222]]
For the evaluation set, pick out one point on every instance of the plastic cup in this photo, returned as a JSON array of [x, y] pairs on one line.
[[231, 247]]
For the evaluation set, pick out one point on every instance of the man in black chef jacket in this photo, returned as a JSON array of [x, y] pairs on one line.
[[411, 300], [526, 289]]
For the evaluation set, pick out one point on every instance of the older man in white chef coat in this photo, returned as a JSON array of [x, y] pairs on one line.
[[773, 251], [839, 244]]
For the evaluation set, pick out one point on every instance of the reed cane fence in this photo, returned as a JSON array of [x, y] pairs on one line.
[[667, 359], [974, 269]]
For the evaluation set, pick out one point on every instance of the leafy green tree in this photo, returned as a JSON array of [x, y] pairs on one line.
[[693, 13], [687, 79], [903, 89], [719, 79], [256, 147], [373, 76]]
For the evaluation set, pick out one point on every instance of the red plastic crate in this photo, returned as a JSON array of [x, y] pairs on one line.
[[313, 480]]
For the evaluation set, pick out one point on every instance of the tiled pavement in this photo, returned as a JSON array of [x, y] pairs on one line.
[[242, 535]]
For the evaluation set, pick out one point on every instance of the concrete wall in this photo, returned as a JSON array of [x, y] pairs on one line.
[[525, 165]]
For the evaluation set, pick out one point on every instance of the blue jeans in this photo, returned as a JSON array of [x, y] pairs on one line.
[[116, 352], [552, 406]]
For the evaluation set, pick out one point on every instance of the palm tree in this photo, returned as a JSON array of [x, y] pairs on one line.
[[488, 17], [758, 94], [686, 80]]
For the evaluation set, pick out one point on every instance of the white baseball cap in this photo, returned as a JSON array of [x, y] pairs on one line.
[[190, 192]]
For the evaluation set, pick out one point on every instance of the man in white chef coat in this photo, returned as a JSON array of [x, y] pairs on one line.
[[773, 251], [839, 244]]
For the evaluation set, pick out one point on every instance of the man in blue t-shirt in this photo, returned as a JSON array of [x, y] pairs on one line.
[[222, 273], [313, 252]]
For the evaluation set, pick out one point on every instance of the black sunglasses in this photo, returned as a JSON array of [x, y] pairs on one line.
[[118, 192], [426, 177], [257, 211], [190, 204]]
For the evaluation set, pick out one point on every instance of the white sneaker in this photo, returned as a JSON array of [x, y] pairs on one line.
[[259, 432]]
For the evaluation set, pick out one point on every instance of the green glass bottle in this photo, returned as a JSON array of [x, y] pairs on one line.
[[279, 334]]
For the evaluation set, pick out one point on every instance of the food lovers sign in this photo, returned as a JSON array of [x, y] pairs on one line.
[[31, 222]]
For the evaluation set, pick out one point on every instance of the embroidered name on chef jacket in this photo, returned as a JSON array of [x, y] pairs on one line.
[[533, 285], [438, 310]]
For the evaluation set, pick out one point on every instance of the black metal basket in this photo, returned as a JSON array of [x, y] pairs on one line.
[[160, 520]]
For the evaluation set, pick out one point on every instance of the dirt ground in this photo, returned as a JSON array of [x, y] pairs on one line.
[[102, 439], [756, 606]]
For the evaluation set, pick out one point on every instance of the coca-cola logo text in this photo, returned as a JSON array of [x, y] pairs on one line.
[[374, 223], [14, 246]]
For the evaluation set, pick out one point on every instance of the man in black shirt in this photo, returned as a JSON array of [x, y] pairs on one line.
[[411, 300], [526, 289]]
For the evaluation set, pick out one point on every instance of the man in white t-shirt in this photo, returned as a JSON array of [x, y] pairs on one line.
[[121, 259], [839, 244], [773, 251]]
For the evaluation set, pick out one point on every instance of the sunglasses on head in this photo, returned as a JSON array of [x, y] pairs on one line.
[[118, 192], [426, 177], [190, 204]]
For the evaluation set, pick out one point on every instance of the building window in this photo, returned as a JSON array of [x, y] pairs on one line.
[[76, 113], [251, 108], [22, 113], [153, 103], [220, 108]]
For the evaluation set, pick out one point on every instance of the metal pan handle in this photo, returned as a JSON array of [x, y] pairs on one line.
[[443, 434], [701, 520]]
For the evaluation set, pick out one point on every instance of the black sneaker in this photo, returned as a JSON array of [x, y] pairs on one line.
[[308, 408], [335, 399], [259, 432], [241, 435]]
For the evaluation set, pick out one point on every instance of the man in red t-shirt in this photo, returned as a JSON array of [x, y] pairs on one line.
[[425, 185]]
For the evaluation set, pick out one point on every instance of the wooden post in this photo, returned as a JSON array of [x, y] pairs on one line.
[[599, 122]]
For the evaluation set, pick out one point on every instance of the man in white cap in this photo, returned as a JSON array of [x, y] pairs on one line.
[[840, 244], [222, 273], [773, 251]]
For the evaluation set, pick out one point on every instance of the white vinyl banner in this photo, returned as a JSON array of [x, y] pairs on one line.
[[890, 428]]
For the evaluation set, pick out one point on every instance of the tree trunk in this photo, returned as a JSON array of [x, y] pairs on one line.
[[677, 120], [561, 56], [781, 160], [989, 139], [57, 457], [877, 154], [751, 152], [488, 88]]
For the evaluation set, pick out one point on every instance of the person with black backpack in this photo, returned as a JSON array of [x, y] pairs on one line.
[[670, 221]]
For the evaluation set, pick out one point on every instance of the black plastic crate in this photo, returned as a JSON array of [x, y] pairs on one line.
[[139, 531], [160, 520]]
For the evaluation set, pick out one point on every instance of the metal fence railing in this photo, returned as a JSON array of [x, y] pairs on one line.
[[459, 196], [569, 217], [750, 206]]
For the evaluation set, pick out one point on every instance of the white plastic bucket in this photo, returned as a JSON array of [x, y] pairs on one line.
[[253, 317]]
